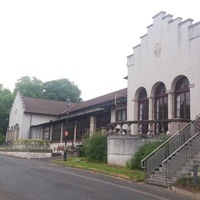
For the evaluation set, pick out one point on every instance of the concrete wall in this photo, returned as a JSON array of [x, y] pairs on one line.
[[26, 154], [122, 148]]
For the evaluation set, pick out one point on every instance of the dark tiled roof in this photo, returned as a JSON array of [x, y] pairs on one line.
[[43, 106], [99, 100], [49, 107]]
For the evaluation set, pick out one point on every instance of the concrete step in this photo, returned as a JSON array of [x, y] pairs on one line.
[[157, 177], [160, 173], [175, 178], [185, 169], [161, 169], [196, 157], [160, 182], [182, 174]]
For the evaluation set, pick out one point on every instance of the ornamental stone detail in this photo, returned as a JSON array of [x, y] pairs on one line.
[[157, 49]]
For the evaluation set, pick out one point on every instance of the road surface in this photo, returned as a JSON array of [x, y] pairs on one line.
[[40, 179]]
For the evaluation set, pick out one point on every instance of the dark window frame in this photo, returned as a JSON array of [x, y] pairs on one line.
[[56, 133], [46, 133], [182, 99], [161, 108], [121, 115], [143, 110]]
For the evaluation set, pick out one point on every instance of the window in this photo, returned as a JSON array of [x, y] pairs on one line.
[[102, 120], [121, 115], [143, 110], [143, 105], [82, 128], [56, 132], [46, 132], [182, 99], [161, 108]]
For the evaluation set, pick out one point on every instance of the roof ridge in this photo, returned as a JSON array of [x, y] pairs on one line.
[[53, 107], [42, 99]]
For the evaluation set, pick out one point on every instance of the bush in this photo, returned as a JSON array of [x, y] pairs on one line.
[[95, 148], [188, 182], [85, 139], [2, 139], [141, 153], [31, 144]]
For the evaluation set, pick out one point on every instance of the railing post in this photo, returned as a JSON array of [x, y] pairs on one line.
[[195, 172], [166, 150], [121, 130], [139, 128], [145, 171], [162, 128], [189, 152], [110, 130], [166, 165], [114, 130], [150, 131], [128, 129]]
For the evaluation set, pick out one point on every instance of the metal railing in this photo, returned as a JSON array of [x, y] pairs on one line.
[[155, 159], [183, 154]]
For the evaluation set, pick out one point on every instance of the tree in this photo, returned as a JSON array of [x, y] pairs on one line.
[[61, 90], [6, 100], [2, 139], [58, 90], [29, 87]]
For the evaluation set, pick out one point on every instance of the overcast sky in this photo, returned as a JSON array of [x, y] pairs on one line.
[[86, 41]]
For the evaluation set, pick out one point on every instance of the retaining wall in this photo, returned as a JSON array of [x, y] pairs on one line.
[[122, 148], [26, 153]]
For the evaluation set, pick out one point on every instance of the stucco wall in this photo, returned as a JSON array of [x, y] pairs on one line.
[[170, 49], [16, 113], [33, 119], [122, 148], [25, 120]]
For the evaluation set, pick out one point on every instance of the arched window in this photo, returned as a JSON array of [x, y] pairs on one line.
[[161, 101], [182, 98], [143, 110], [16, 132]]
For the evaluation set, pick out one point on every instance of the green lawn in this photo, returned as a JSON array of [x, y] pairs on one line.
[[122, 172]]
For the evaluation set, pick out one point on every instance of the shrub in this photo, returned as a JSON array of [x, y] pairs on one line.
[[188, 182], [2, 139], [141, 153], [31, 144], [85, 139], [95, 148]]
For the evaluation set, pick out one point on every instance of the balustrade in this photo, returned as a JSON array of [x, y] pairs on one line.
[[146, 127]]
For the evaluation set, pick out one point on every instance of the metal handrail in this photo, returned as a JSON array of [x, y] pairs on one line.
[[143, 160], [172, 165], [164, 161]]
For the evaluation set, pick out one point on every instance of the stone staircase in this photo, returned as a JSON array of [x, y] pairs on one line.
[[180, 164], [159, 178]]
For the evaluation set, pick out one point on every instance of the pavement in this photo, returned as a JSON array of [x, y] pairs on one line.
[[173, 188], [185, 192]]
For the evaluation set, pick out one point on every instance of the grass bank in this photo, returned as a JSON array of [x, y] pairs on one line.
[[122, 172]]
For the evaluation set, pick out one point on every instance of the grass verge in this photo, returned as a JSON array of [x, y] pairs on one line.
[[122, 172], [187, 183]]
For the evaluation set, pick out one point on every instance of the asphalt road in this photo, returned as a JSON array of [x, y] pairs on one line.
[[39, 179]]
